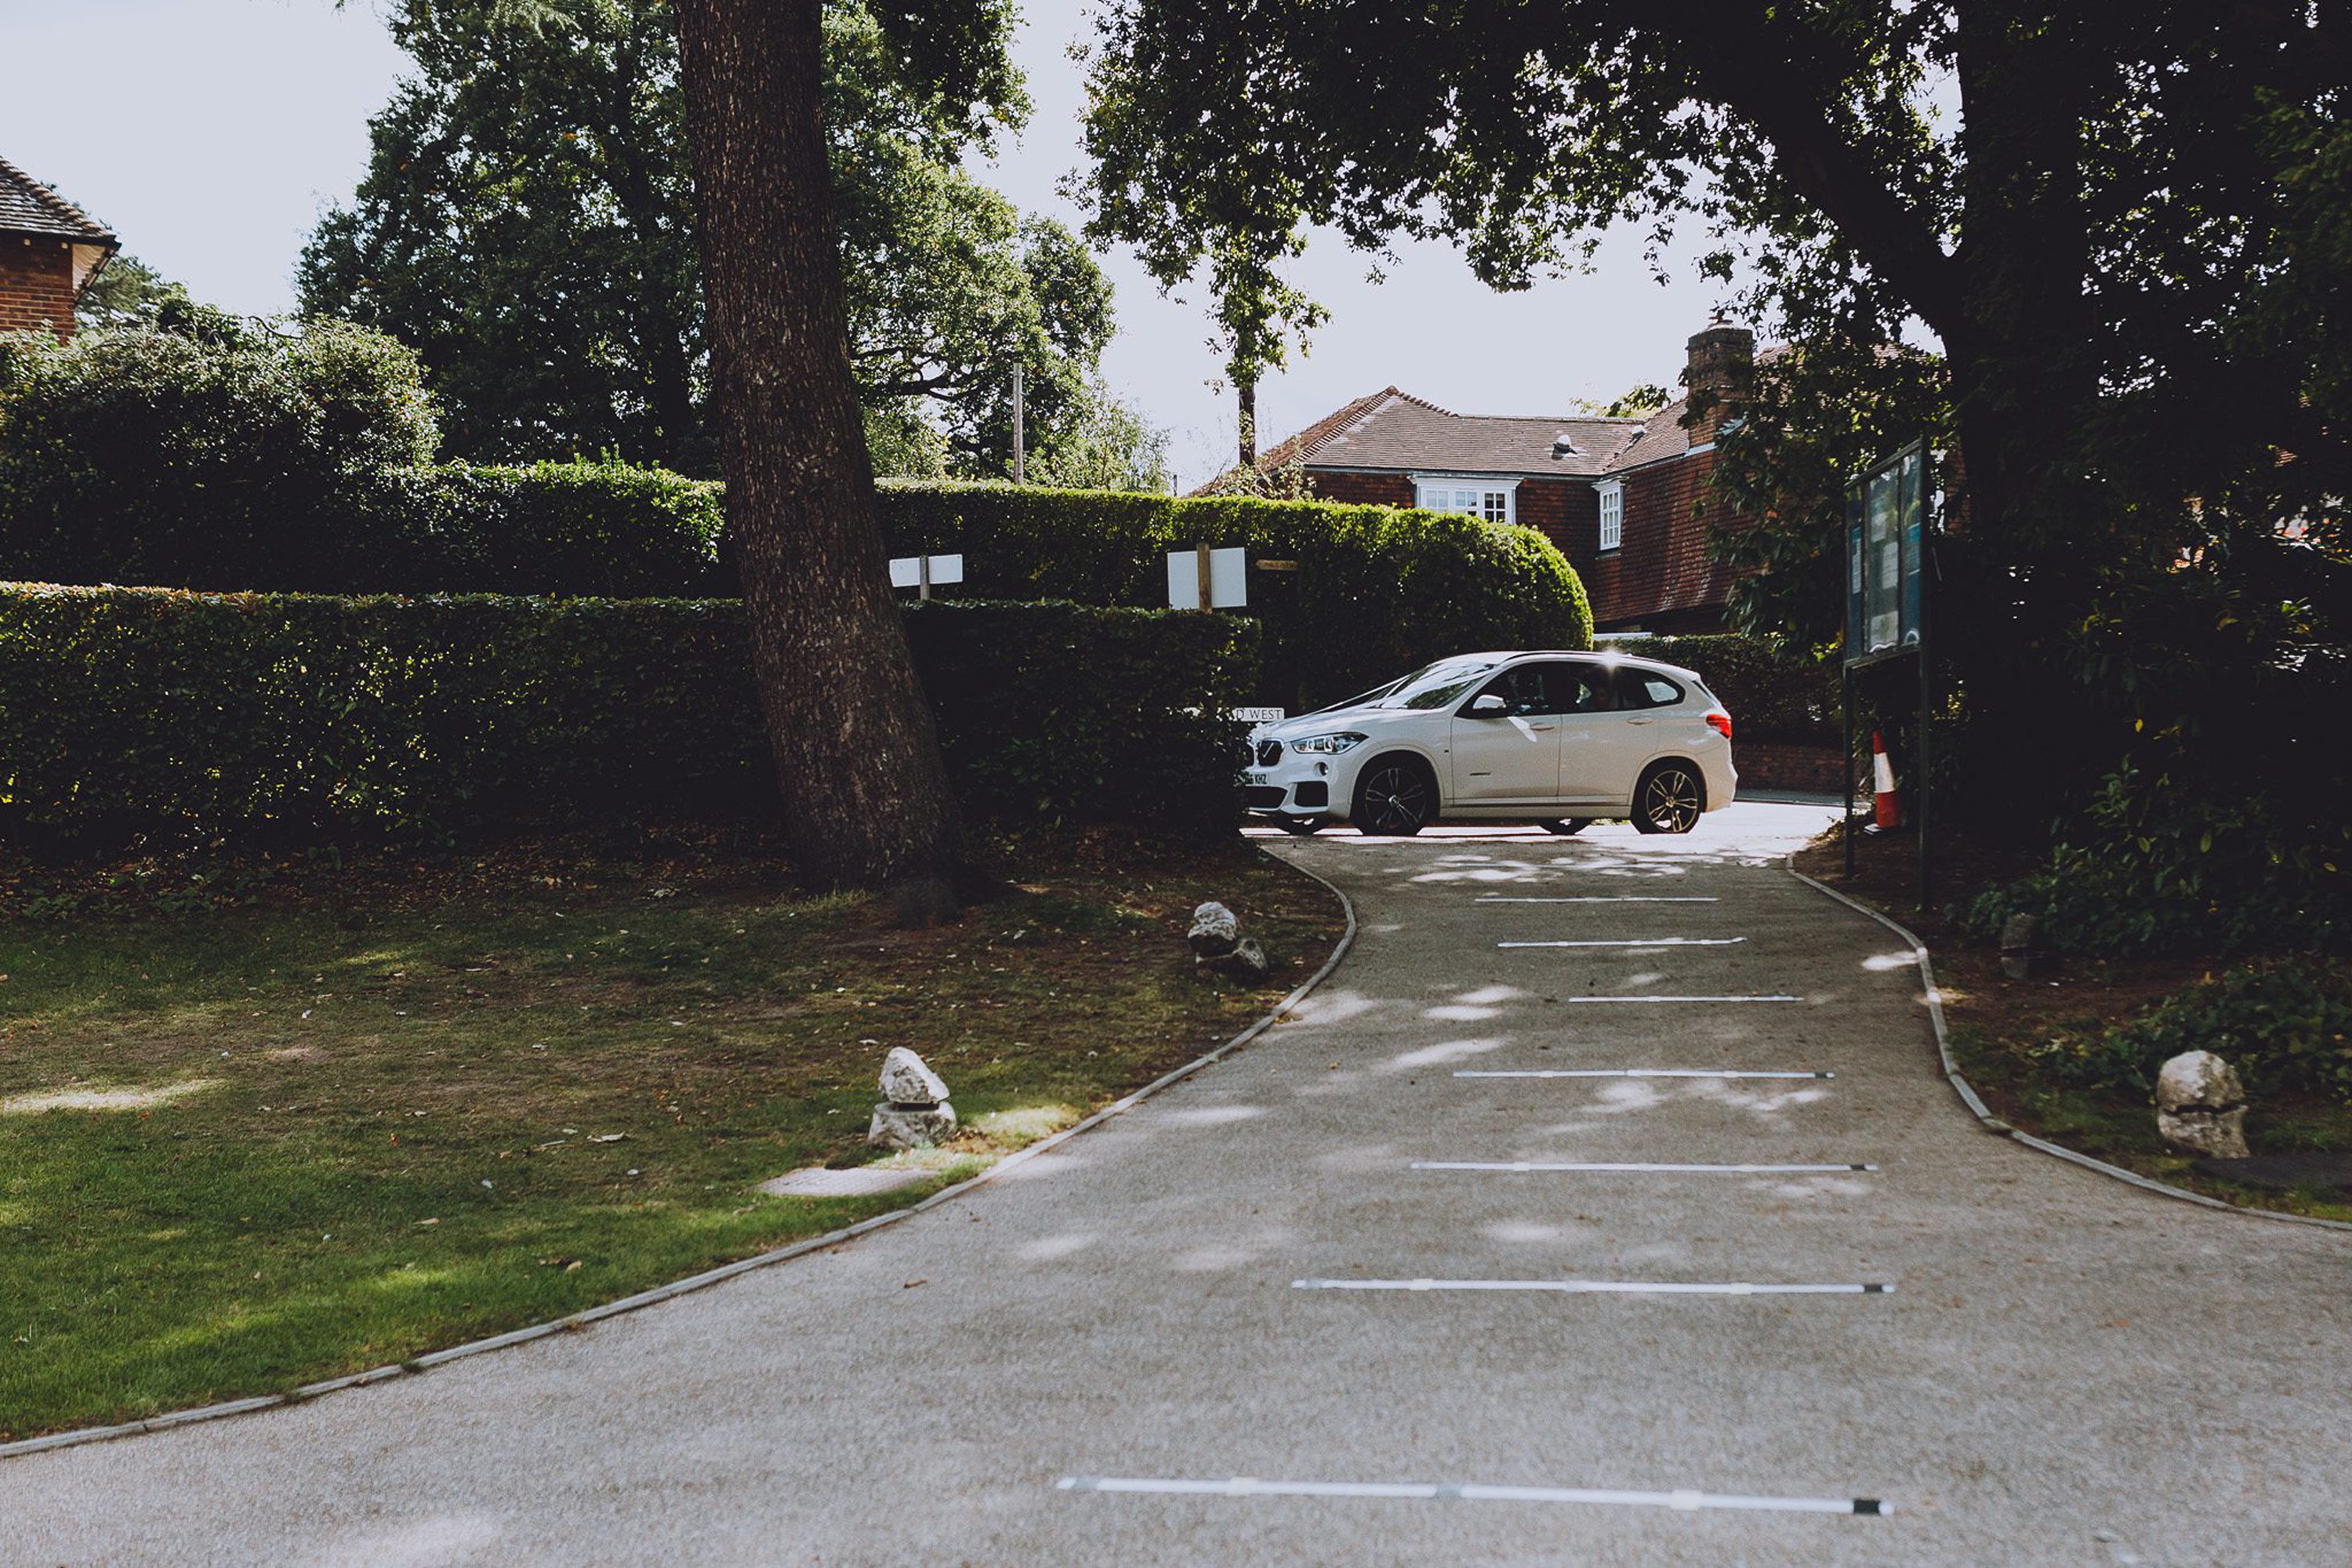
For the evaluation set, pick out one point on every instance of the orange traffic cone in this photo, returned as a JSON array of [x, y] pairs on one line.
[[1887, 806]]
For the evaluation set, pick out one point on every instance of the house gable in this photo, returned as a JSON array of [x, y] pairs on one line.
[[49, 251]]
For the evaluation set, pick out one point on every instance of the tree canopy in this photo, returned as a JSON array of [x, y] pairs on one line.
[[527, 221], [2125, 225]]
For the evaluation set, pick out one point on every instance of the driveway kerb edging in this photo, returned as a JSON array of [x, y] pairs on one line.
[[588, 1316], [1976, 1105]]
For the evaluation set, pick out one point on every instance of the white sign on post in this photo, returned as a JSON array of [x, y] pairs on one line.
[[1228, 579], [925, 572]]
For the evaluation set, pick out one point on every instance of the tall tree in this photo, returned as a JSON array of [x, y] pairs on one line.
[[865, 794], [2085, 241], [126, 290], [527, 220]]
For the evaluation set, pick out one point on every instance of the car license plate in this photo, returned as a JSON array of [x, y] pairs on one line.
[[1254, 778]]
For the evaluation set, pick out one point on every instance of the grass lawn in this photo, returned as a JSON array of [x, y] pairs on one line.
[[376, 1112], [1993, 1018]]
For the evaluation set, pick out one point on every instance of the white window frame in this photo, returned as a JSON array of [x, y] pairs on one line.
[[1444, 492], [1612, 513]]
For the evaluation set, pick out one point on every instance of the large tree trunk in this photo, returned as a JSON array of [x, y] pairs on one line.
[[865, 797], [2024, 374]]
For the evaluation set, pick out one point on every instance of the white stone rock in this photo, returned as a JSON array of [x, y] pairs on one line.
[[911, 1126], [2197, 1081], [2201, 1106], [1215, 930], [907, 1081]]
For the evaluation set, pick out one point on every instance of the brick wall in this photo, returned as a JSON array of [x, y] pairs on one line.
[[1660, 579], [1361, 489], [1804, 770], [35, 285], [1566, 511]]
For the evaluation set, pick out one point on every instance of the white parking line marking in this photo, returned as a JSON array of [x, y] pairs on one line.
[[1599, 1286], [1629, 1072], [1471, 1491], [1682, 998], [1637, 942], [1621, 1165], [1599, 899]]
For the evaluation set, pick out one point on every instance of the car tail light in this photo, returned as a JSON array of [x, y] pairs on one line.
[[1721, 723]]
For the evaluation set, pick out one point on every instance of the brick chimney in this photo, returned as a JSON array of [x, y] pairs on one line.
[[1720, 362]]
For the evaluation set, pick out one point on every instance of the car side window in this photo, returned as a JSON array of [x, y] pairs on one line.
[[1521, 688], [1643, 689], [1578, 688]]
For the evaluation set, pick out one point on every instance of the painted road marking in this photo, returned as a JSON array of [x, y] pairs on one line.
[[1599, 899], [1619, 1165], [1629, 1072], [1471, 1491], [1638, 942], [1599, 1286], [1647, 999]]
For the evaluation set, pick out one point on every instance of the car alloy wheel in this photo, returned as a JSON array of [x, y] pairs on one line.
[[1395, 800], [1670, 801]]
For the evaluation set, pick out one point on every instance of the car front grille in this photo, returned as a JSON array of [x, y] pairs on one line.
[[1264, 797], [1268, 753]]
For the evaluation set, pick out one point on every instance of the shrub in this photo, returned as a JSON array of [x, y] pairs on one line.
[[2285, 1026], [1774, 692], [213, 453], [2151, 869], [1377, 591], [130, 710]]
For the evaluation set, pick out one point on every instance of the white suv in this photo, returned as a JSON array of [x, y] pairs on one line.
[[1563, 739]]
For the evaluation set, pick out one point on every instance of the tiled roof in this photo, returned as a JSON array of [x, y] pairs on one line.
[[1395, 431], [29, 206], [1662, 435], [1299, 447]]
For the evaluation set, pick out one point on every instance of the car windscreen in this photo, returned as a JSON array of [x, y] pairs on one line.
[[1436, 685]]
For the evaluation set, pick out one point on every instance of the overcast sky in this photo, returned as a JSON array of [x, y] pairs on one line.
[[210, 134]]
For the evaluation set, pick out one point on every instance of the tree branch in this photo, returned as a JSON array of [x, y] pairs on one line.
[[1748, 60]]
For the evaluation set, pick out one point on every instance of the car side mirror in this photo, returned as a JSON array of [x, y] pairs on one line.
[[1487, 706]]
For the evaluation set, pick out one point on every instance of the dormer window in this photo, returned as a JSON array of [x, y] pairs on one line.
[[1612, 513], [1492, 500]]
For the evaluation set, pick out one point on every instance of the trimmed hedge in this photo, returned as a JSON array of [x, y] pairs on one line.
[[603, 528], [1377, 591], [1774, 692], [588, 529], [130, 710]]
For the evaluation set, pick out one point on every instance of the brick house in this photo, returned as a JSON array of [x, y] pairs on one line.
[[1627, 500], [50, 250]]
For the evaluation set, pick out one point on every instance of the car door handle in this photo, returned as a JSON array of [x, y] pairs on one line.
[[1641, 720]]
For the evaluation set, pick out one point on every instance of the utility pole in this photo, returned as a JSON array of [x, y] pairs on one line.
[[1020, 453]]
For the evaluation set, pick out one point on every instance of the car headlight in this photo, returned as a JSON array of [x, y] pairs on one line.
[[1326, 745]]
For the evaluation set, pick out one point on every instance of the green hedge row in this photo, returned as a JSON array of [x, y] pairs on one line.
[[1774, 692], [1376, 591], [548, 527], [589, 528], [129, 711]]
